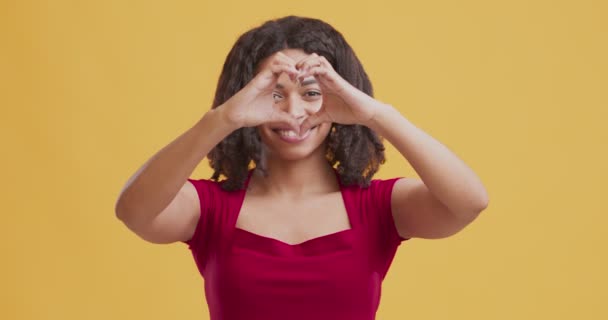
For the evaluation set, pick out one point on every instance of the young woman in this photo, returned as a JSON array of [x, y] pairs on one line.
[[291, 225]]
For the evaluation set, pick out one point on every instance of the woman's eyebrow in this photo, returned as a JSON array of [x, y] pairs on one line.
[[303, 84], [308, 82]]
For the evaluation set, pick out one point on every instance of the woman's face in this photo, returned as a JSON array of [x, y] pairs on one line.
[[301, 101]]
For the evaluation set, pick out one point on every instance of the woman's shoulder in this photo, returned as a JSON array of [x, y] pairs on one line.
[[205, 182], [208, 188], [374, 184], [215, 186]]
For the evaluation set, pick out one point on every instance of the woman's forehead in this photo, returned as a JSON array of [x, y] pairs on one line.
[[294, 54]]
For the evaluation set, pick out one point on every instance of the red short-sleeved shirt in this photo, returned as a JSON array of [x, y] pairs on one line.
[[336, 276]]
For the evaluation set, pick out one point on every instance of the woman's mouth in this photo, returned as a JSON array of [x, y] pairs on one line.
[[291, 136]]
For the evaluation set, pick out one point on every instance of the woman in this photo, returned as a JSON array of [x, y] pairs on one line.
[[298, 228]]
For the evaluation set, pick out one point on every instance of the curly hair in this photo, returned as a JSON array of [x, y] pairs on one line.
[[355, 151]]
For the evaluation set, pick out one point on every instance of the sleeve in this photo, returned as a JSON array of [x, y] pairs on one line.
[[387, 236], [381, 195], [207, 195]]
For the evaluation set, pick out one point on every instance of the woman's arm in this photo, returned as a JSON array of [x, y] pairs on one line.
[[450, 195], [157, 202]]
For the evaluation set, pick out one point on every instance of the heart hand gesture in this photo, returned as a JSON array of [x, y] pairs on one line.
[[253, 105], [342, 102]]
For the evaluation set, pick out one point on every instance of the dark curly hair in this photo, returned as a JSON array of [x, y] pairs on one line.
[[354, 150]]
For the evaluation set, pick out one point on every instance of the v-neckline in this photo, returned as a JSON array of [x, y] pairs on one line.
[[310, 246]]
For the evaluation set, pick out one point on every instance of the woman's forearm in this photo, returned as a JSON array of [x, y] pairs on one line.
[[446, 176], [154, 185]]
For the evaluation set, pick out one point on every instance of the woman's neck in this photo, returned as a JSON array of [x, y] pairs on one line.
[[294, 179]]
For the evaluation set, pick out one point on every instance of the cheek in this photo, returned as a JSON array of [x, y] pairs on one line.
[[324, 130], [316, 105], [263, 134]]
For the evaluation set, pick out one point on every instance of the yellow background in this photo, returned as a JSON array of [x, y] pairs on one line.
[[89, 90]]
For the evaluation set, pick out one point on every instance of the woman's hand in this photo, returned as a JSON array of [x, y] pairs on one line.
[[342, 102], [254, 104]]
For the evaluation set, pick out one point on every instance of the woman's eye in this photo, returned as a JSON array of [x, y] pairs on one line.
[[276, 96], [313, 93]]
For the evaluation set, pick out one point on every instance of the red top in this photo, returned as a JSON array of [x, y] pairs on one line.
[[335, 276]]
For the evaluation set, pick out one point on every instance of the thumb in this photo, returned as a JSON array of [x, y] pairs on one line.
[[313, 120], [280, 116]]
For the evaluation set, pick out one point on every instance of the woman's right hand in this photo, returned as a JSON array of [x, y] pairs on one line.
[[254, 104]]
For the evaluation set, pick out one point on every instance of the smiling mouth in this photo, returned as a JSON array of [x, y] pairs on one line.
[[291, 136]]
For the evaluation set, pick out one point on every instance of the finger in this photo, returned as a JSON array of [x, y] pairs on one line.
[[280, 55], [282, 67], [318, 61], [317, 71], [307, 60], [323, 61], [279, 63], [305, 66], [282, 59], [314, 120], [267, 79], [282, 117]]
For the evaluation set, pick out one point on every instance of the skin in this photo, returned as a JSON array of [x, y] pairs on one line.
[[299, 176], [159, 205], [447, 197], [295, 169]]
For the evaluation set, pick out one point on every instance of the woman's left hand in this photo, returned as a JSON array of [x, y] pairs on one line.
[[342, 102]]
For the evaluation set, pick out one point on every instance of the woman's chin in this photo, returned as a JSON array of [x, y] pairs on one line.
[[294, 154]]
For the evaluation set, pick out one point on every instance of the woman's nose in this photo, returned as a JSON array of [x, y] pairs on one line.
[[296, 107]]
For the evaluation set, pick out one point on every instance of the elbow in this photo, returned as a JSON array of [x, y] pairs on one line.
[[125, 207], [126, 215], [483, 201], [478, 200], [121, 214], [472, 210], [477, 208], [122, 211], [132, 216]]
